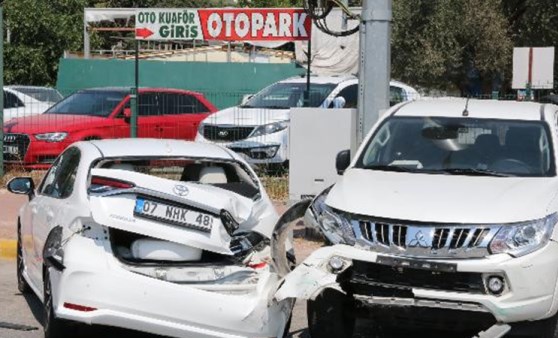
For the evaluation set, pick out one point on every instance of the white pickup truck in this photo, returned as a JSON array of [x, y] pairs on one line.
[[444, 218]]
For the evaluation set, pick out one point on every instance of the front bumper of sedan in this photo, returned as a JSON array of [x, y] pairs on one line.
[[95, 288]]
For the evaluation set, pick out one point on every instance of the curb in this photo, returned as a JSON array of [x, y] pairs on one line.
[[8, 248]]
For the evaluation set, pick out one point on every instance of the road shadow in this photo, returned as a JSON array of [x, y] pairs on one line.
[[34, 304]]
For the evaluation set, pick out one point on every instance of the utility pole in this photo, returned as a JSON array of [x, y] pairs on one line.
[[375, 64], [2, 86]]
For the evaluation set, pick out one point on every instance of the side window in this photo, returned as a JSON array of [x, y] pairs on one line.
[[395, 95], [148, 104], [11, 101], [350, 94], [59, 181], [176, 104]]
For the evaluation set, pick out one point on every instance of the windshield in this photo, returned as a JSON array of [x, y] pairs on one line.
[[92, 103], [289, 95], [40, 94], [460, 146]]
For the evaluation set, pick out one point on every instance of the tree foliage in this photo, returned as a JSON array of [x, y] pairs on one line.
[[440, 44]]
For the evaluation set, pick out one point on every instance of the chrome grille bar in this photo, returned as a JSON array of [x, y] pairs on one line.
[[436, 241]]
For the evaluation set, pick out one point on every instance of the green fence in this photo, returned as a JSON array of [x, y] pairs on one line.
[[224, 84]]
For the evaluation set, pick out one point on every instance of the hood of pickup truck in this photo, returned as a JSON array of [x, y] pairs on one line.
[[439, 198]]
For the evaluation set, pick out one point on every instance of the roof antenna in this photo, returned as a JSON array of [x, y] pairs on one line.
[[465, 111]]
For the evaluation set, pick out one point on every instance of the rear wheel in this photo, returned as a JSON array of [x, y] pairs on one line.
[[331, 314], [53, 327], [22, 284]]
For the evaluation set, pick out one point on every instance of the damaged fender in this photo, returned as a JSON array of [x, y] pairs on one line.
[[311, 277]]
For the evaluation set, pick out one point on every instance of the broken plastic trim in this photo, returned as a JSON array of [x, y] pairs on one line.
[[53, 254], [230, 224], [281, 232]]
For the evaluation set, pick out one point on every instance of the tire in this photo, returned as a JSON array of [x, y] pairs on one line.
[[548, 328], [53, 327], [22, 284], [331, 314]]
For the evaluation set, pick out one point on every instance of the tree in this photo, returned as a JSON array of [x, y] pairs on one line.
[[448, 44], [40, 31]]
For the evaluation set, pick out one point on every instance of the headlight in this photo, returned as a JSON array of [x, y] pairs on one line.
[[269, 128], [51, 137], [523, 238], [201, 128], [335, 226]]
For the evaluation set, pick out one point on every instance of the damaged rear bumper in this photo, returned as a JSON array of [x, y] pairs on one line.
[[95, 279]]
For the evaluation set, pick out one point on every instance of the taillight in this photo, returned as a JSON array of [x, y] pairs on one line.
[[77, 307], [103, 184]]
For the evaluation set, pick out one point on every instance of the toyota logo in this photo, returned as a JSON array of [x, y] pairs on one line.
[[223, 133], [181, 190]]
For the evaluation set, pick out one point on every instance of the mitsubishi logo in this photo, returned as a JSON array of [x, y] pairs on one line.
[[418, 241], [223, 133], [181, 190]]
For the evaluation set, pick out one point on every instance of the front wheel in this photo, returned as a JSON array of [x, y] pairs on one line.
[[22, 284], [53, 327], [331, 314], [546, 328]]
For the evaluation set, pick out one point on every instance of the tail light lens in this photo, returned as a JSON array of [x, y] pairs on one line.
[[104, 184]]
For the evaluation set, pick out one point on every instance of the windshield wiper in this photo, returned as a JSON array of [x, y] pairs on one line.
[[475, 172], [385, 167]]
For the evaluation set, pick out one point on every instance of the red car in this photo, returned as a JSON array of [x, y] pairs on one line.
[[102, 113]]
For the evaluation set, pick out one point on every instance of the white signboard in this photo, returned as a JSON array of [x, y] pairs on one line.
[[533, 66]]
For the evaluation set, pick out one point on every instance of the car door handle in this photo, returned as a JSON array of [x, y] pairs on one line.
[[50, 216]]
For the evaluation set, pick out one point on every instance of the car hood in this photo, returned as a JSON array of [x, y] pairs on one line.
[[49, 123], [442, 198], [247, 116]]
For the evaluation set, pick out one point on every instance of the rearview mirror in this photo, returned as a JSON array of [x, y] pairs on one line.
[[21, 186], [343, 161]]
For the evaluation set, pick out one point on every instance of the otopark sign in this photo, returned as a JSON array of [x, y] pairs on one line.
[[224, 24]]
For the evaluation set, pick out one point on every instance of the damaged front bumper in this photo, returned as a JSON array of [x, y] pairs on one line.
[[211, 301], [461, 288]]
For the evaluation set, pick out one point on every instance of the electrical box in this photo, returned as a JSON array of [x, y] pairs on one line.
[[316, 136]]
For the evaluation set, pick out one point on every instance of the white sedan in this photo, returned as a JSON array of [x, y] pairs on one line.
[[161, 236]]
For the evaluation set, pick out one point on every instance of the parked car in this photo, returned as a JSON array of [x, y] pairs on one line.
[[444, 218], [102, 113], [22, 101], [162, 236], [258, 128]]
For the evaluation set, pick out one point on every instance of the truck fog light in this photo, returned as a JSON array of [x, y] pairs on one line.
[[336, 264], [495, 285]]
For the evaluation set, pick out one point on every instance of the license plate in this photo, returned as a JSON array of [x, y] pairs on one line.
[[12, 150], [172, 214]]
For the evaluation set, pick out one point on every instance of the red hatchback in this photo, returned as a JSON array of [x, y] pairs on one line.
[[102, 113]]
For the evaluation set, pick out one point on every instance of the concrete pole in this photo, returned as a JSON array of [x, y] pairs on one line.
[[375, 64], [86, 40]]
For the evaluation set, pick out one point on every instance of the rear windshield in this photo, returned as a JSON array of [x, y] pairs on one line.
[[90, 103], [227, 175]]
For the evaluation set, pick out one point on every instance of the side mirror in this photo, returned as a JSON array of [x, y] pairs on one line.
[[343, 161], [338, 102], [21, 186]]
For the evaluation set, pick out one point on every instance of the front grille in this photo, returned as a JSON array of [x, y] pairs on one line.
[[226, 133], [15, 147], [465, 241], [377, 279]]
